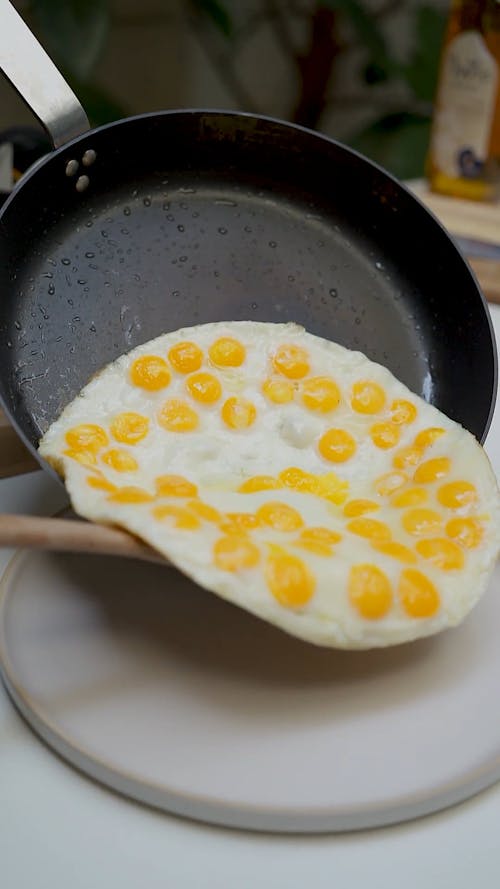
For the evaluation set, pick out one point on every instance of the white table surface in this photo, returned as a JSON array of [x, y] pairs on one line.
[[60, 830]]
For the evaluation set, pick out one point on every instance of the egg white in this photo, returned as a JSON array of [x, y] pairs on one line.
[[218, 460]]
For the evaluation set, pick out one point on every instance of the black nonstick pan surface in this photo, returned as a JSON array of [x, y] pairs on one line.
[[196, 216]]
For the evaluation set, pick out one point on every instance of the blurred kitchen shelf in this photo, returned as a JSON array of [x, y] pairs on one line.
[[473, 221]]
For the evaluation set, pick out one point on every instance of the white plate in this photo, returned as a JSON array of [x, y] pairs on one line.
[[171, 696]]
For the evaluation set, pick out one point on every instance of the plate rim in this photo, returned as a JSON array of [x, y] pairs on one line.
[[208, 809]]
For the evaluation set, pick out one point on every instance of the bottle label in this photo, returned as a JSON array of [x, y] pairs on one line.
[[465, 107]]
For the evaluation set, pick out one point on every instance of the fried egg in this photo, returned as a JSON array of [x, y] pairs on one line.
[[289, 475]]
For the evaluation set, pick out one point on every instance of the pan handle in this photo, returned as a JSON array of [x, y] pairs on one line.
[[34, 75]]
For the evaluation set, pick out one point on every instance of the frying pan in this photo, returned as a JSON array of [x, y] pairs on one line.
[[176, 218]]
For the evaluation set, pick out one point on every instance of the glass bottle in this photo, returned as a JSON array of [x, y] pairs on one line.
[[464, 149]]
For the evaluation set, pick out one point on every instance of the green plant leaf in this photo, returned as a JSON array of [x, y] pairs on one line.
[[74, 32], [217, 13], [422, 71], [398, 142]]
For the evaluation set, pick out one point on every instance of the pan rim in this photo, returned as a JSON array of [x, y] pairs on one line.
[[289, 126]]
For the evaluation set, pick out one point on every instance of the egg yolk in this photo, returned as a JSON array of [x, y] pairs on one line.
[[328, 485], [403, 412], [390, 482], [119, 460], [150, 372], [369, 591], [86, 437], [129, 428], [407, 457], [204, 510], [337, 445], [175, 486], [299, 480], [427, 436], [100, 483], [385, 435], [395, 550], [278, 391], [370, 528], [410, 497], [291, 361], [179, 516], [441, 552], [237, 413], [236, 522], [259, 483], [185, 357], [421, 522], [358, 507], [131, 494], [367, 397], [417, 594], [431, 470], [204, 387], [325, 535], [467, 532], [227, 352], [280, 516], [177, 416], [232, 553], [86, 458], [454, 495], [320, 394], [332, 488], [288, 578], [314, 546], [318, 540]]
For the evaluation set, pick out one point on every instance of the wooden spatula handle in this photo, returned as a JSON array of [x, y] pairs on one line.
[[34, 532]]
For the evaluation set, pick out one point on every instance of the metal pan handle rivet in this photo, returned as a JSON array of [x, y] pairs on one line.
[[89, 157], [72, 168], [82, 183]]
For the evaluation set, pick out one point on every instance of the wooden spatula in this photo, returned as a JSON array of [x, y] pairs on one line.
[[72, 535]]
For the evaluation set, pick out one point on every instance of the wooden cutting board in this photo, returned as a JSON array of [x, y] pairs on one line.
[[463, 218]]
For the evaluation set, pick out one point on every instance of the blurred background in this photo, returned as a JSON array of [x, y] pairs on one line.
[[362, 71]]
